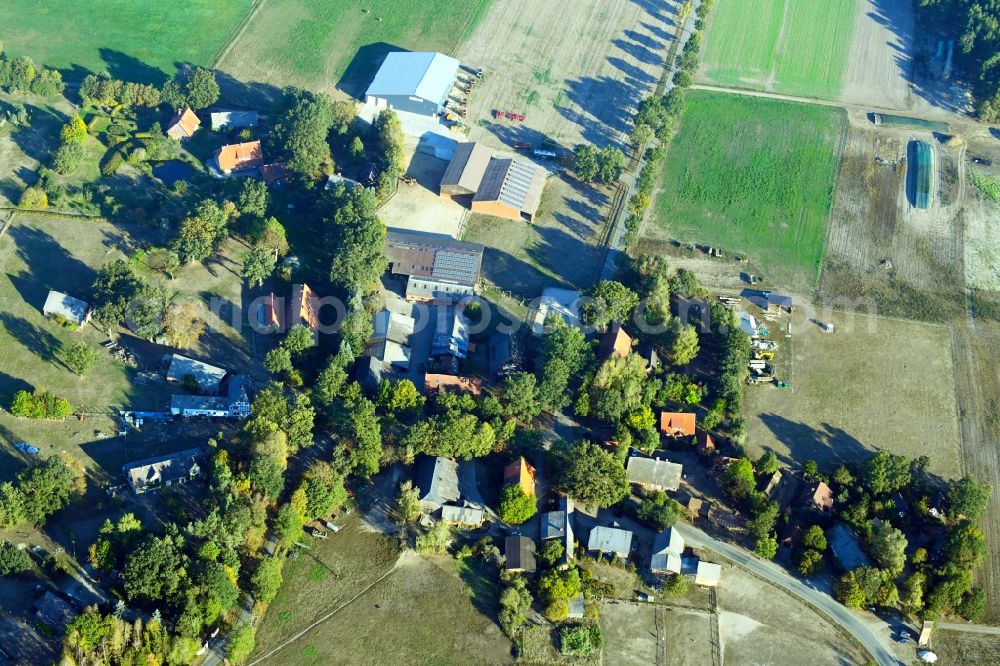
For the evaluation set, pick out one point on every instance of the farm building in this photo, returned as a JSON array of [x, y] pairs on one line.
[[64, 307], [415, 82], [560, 302], [818, 496], [519, 554], [668, 546], [451, 335], [923, 174], [845, 547], [237, 119], [462, 515], [466, 169], [183, 125], [438, 267], [165, 471], [654, 474], [234, 403], [437, 479], [238, 156], [520, 473], [610, 540], [511, 189], [303, 308], [677, 424], [433, 383], [614, 342], [708, 574], [503, 354], [390, 341], [559, 525], [207, 377]]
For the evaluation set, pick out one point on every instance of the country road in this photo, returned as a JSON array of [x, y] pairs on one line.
[[822, 602]]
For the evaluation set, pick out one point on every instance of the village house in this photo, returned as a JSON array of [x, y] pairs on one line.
[[438, 268], [275, 173], [65, 308], [205, 377], [677, 424], [520, 473], [610, 540], [437, 480], [303, 308], [818, 496], [183, 125], [668, 547], [164, 471], [435, 383], [239, 156], [654, 474], [614, 342], [519, 554], [559, 525]]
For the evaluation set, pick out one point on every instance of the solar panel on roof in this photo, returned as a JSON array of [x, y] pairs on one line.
[[454, 265]]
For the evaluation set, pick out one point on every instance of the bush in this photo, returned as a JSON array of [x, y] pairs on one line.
[[39, 405], [112, 162], [580, 640], [515, 506], [33, 198], [13, 560], [117, 130]]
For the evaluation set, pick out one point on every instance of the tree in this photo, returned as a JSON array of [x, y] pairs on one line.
[[252, 199], [300, 133], [33, 198], [201, 90], [968, 498], [408, 503], [888, 547], [258, 264], [145, 312], [435, 539], [585, 162], [355, 239], [766, 547], [814, 538], [610, 164], [676, 586], [357, 148], [642, 134], [266, 580], [684, 347], [965, 546], [763, 522], [183, 324], [389, 140], [278, 360], [269, 233], [515, 506], [564, 353], [13, 560], [520, 396], [115, 285], [156, 569], [973, 606], [610, 301], [810, 561], [551, 552], [241, 644], [324, 490], [886, 472], [400, 397], [80, 357], [912, 598], [579, 640], [332, 378], [768, 463], [288, 525], [659, 511], [515, 601], [589, 473], [298, 339]]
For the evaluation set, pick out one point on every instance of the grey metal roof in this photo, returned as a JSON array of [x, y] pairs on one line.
[[553, 525], [467, 166], [437, 479], [222, 119], [668, 546], [610, 540], [64, 305], [392, 326], [519, 552], [425, 74], [512, 182], [465, 515], [206, 402], [209, 377], [658, 473]]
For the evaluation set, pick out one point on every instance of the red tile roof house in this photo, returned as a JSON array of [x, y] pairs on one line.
[[183, 125], [677, 424], [239, 156], [521, 473], [819, 496]]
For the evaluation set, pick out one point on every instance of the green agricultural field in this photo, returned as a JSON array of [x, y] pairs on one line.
[[140, 41], [797, 47], [754, 176], [313, 43]]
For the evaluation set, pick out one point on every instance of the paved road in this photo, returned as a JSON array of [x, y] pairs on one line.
[[828, 606]]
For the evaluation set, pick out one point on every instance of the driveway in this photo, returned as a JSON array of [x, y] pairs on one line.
[[866, 632]]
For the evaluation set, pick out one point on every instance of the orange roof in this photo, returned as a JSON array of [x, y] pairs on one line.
[[272, 312], [616, 341], [434, 382], [821, 496], [303, 308], [183, 124], [521, 473], [274, 173], [677, 423], [240, 156], [706, 444]]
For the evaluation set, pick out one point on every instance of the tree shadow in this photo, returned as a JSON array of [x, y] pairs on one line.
[[124, 67], [828, 444], [361, 70], [36, 340], [247, 94], [607, 103]]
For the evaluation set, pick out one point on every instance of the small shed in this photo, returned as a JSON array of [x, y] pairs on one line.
[[708, 574], [924, 639], [64, 306], [183, 125]]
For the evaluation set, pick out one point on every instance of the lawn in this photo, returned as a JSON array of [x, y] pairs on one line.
[[788, 46], [313, 43], [753, 176], [138, 41]]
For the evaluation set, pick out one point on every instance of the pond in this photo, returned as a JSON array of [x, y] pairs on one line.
[[173, 170]]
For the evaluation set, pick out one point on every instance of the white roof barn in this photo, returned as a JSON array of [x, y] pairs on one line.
[[416, 82], [73, 310], [667, 549], [223, 119]]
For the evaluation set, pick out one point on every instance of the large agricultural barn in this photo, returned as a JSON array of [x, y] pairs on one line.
[[418, 82], [499, 186], [437, 267]]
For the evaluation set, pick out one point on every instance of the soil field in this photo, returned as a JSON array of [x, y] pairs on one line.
[[960, 648], [318, 44], [631, 633], [132, 41], [977, 364], [752, 176], [425, 611], [797, 48], [870, 378], [880, 249], [575, 68]]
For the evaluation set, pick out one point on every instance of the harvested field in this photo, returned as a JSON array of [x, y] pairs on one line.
[[977, 375], [982, 243], [426, 610], [881, 251], [872, 383], [752, 176], [533, 64], [133, 41], [796, 48], [317, 44], [631, 632], [960, 648]]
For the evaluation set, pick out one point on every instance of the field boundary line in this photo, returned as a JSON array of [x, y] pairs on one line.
[[326, 617], [7, 224], [842, 144], [223, 51]]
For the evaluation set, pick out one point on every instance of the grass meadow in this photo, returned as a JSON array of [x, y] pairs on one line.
[[754, 176], [314, 43], [138, 41], [796, 47]]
